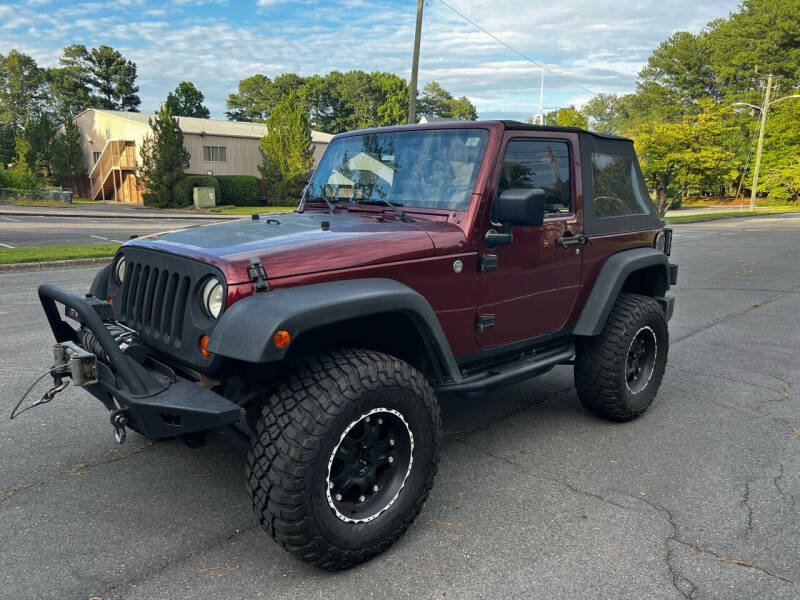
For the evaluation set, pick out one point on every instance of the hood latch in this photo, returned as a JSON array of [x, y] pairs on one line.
[[257, 274]]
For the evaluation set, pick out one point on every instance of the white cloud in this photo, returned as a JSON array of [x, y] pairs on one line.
[[598, 44]]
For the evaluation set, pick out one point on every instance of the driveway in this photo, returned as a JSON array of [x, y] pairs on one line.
[[535, 498]]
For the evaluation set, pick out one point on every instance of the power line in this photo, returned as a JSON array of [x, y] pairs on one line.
[[515, 51]]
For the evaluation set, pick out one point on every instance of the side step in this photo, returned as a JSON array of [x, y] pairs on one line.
[[510, 373]]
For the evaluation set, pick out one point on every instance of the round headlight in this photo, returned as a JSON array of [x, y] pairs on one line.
[[119, 269], [661, 242], [212, 297]]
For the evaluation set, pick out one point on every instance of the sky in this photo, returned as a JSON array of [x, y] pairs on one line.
[[597, 45]]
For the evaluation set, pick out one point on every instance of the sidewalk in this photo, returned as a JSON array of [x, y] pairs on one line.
[[111, 211]]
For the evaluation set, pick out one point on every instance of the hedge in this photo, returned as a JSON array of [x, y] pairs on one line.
[[182, 194], [240, 190]]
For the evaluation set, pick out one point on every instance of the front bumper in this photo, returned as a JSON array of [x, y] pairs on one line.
[[156, 402]]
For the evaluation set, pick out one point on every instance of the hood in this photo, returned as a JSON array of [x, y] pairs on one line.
[[300, 243]]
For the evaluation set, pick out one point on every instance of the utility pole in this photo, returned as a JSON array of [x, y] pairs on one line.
[[760, 143], [412, 99], [764, 110]]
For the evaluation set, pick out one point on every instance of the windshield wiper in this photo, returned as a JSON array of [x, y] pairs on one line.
[[393, 205], [331, 207]]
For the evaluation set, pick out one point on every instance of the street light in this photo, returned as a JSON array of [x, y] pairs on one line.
[[764, 109]]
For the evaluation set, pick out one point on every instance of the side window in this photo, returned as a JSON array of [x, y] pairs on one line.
[[539, 164], [617, 188]]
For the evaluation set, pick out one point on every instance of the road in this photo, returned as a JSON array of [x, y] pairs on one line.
[[535, 498], [21, 230]]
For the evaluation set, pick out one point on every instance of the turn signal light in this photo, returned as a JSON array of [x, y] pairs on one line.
[[281, 339], [204, 346]]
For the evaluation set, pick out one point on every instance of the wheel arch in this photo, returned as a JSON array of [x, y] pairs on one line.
[[374, 314], [642, 271]]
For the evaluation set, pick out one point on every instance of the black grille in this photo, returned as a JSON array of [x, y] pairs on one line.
[[159, 299], [153, 301]]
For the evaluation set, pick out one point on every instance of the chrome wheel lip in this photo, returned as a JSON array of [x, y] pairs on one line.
[[375, 515], [652, 367]]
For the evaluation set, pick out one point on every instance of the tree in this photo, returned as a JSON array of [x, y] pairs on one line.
[[286, 151], [681, 65], [163, 159], [436, 101], [21, 175], [22, 90], [605, 114], [258, 95], [100, 77], [6, 144], [187, 101], [68, 167], [565, 117]]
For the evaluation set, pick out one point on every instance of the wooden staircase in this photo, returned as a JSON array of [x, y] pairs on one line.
[[113, 176]]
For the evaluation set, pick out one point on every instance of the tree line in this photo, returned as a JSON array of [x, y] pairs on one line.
[[689, 136]]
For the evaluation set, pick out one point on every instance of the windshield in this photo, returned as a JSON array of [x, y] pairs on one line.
[[428, 168]]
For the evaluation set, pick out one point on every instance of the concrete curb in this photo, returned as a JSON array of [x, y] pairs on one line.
[[53, 264]]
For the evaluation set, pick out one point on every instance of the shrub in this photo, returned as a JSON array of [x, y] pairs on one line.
[[240, 190], [182, 194]]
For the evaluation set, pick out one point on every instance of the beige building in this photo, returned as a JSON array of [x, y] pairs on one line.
[[111, 141]]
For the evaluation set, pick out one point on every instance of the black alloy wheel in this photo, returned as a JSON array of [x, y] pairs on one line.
[[369, 466]]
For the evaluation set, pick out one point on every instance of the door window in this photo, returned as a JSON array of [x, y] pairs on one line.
[[540, 164]]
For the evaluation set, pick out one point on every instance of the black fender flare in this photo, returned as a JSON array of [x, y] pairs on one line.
[[244, 331], [99, 287], [609, 282]]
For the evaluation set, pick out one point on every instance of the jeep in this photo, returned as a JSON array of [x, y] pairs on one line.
[[422, 261]]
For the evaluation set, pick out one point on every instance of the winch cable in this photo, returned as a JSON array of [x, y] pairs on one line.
[[44, 399]]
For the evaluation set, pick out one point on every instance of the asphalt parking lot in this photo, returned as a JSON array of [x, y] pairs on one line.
[[535, 498]]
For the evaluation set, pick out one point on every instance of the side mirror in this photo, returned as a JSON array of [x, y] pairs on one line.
[[518, 206]]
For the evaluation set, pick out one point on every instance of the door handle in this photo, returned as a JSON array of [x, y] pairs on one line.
[[572, 240]]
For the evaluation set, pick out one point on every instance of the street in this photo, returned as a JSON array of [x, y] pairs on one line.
[[535, 497], [23, 230]]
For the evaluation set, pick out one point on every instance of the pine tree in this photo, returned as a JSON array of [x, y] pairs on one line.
[[68, 167], [163, 159]]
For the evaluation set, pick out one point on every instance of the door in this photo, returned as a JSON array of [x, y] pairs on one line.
[[528, 288]]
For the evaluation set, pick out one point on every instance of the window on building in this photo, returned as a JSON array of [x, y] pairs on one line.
[[617, 188], [95, 157], [539, 164], [214, 153]]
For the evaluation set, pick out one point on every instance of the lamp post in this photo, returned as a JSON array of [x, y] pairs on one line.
[[764, 109]]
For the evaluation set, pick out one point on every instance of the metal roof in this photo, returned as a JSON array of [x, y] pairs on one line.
[[219, 127]]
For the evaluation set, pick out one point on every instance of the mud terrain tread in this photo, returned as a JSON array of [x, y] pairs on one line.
[[286, 438], [599, 359]]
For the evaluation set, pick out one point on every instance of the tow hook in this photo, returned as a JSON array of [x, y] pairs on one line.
[[118, 421]]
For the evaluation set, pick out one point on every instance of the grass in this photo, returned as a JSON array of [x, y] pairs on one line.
[[28, 202], [249, 210], [44, 253], [730, 201], [729, 214]]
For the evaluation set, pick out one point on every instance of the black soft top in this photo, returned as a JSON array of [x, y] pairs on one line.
[[596, 143]]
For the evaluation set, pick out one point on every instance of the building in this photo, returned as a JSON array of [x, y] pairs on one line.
[[111, 141]]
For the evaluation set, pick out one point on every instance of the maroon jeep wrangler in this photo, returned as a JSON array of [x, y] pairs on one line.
[[449, 258]]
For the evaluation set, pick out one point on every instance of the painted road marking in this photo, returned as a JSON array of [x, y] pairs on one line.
[[99, 237], [116, 241], [6, 246], [10, 219]]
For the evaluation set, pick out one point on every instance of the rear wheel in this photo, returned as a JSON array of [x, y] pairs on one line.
[[618, 373], [343, 457]]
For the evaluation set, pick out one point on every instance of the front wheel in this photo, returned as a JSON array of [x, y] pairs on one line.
[[343, 456], [618, 373]]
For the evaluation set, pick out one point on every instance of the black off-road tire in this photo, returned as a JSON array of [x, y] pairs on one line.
[[302, 426], [601, 362]]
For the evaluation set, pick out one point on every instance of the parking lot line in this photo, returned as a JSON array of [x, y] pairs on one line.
[[10, 219], [6, 246]]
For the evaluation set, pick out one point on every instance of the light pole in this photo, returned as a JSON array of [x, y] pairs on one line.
[[412, 98], [764, 109]]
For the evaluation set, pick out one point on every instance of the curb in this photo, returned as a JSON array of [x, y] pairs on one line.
[[91, 215], [721, 218], [47, 265]]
